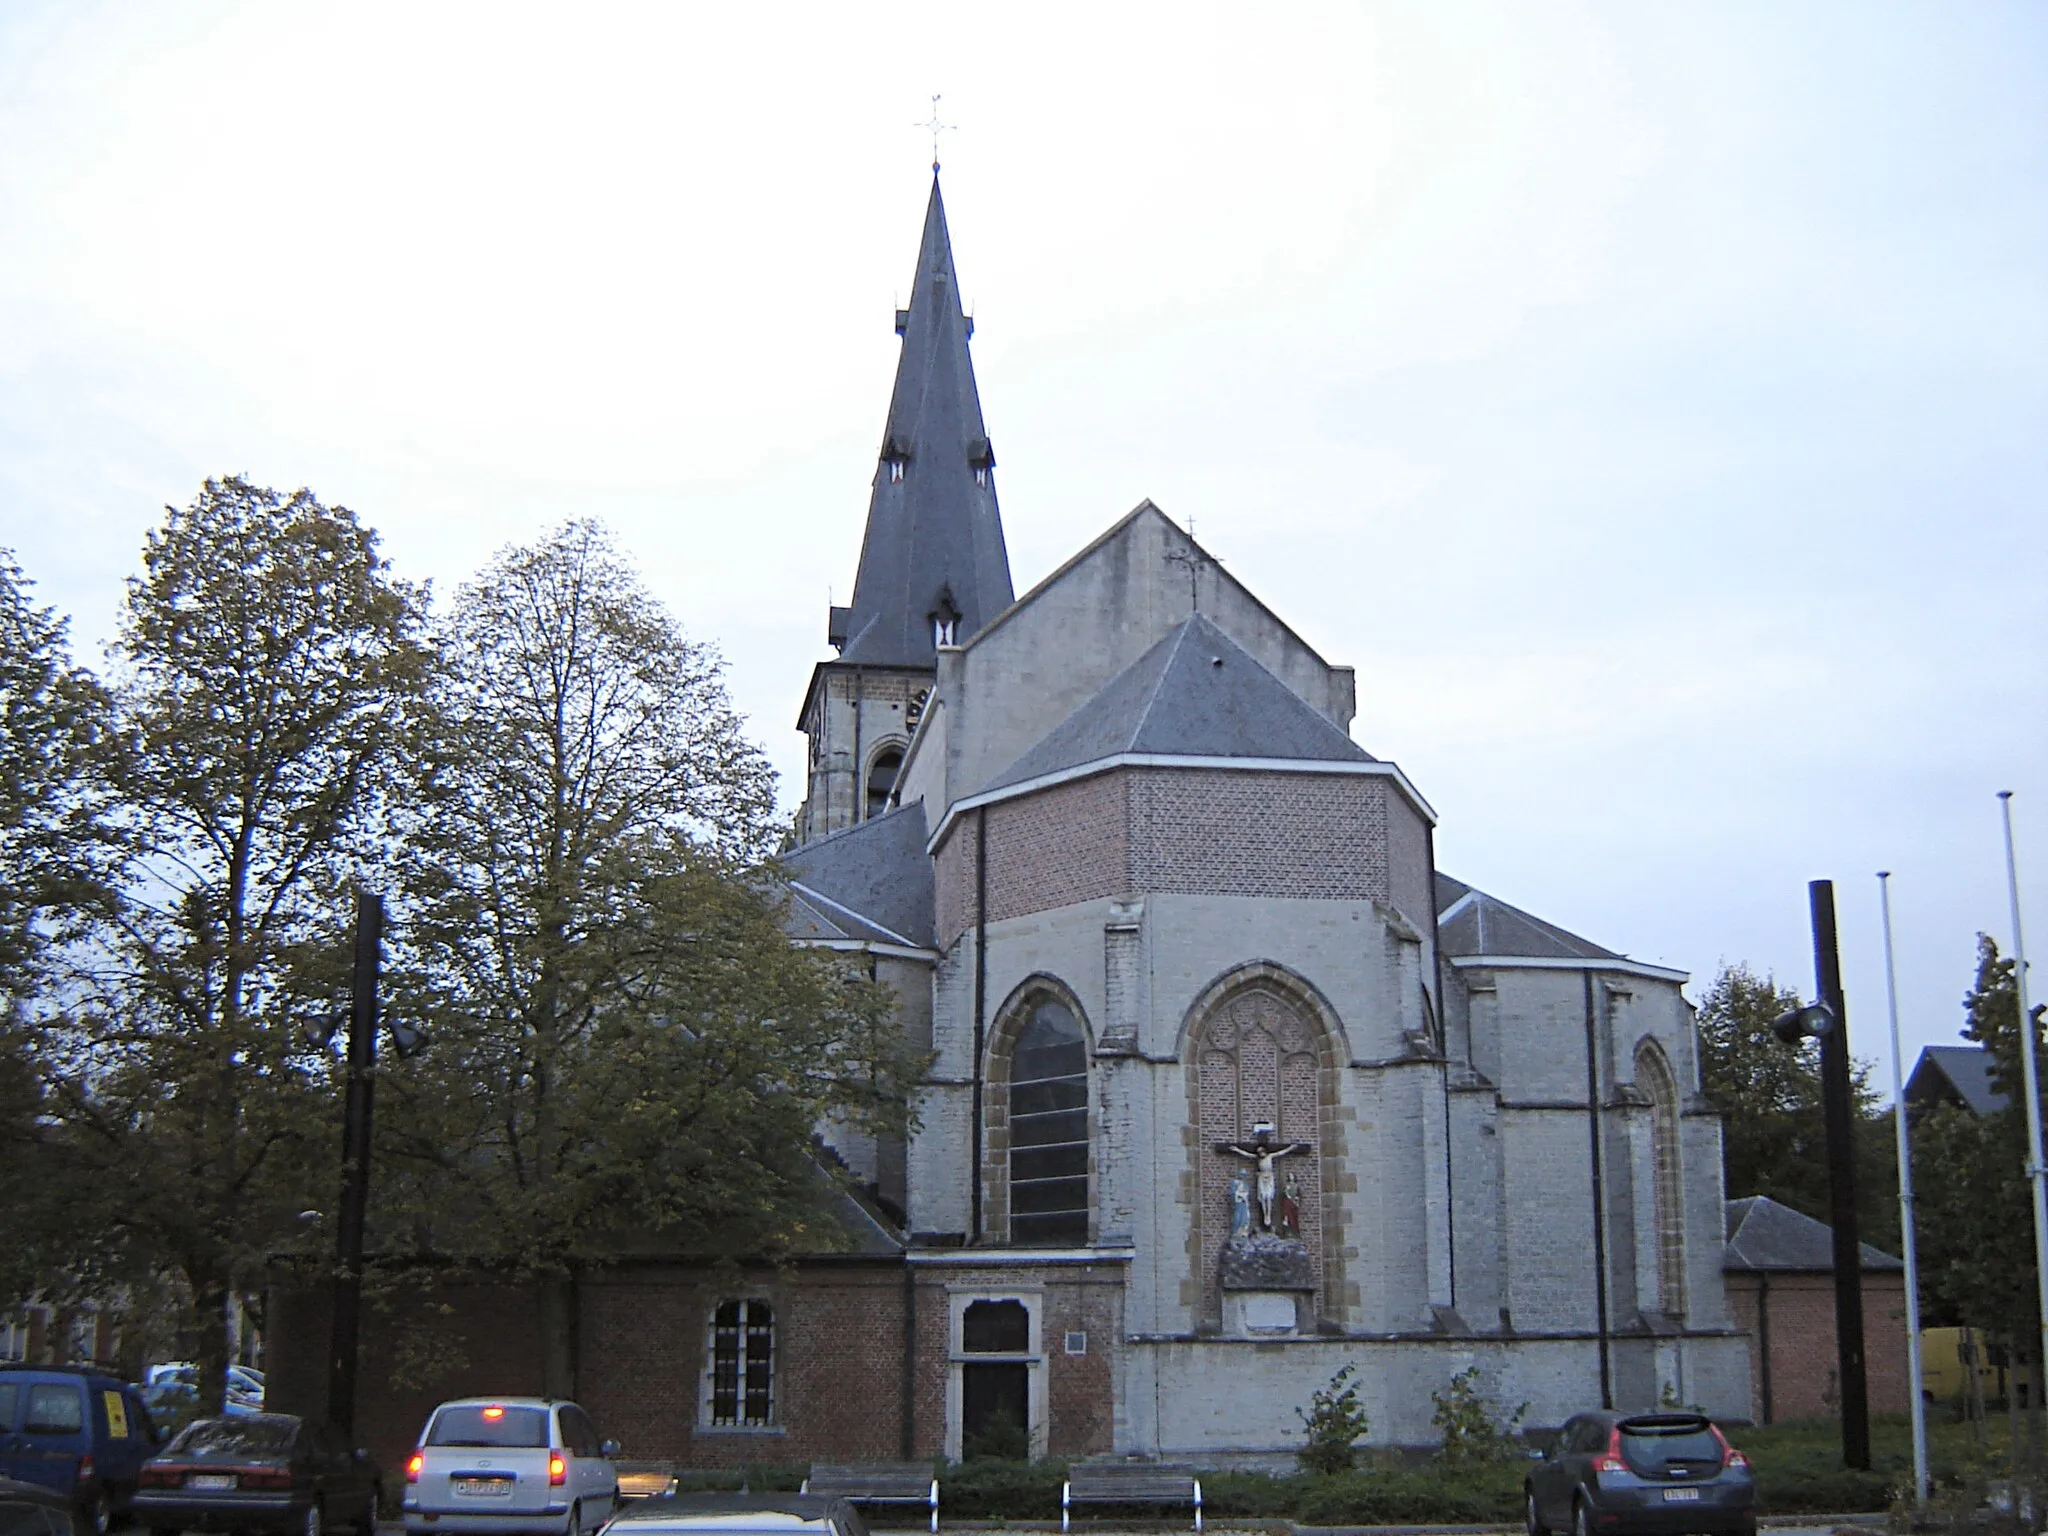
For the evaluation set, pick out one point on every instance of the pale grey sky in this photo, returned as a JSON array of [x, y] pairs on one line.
[[1647, 399]]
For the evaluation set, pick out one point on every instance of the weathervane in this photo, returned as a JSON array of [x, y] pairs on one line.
[[935, 128]]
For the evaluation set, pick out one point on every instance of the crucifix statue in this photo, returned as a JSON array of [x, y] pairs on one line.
[[1262, 1154]]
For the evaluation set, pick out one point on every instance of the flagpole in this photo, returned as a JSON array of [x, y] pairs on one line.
[[1913, 1379], [2037, 1170]]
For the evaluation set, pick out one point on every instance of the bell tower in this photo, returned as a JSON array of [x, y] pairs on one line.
[[933, 567]]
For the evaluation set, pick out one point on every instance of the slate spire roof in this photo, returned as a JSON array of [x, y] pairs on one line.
[[934, 542], [1197, 693]]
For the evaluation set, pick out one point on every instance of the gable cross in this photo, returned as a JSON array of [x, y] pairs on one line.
[[934, 127]]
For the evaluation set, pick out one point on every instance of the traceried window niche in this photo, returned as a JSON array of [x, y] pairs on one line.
[[739, 1379], [1048, 1106], [1655, 1079]]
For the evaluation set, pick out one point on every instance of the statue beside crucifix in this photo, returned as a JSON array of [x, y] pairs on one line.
[[1263, 1153]]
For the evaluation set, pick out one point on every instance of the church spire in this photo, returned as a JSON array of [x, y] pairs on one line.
[[933, 568]]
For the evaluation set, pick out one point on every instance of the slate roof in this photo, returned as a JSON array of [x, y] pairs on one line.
[[1470, 922], [1959, 1074], [1197, 693], [1764, 1235], [934, 533], [871, 882]]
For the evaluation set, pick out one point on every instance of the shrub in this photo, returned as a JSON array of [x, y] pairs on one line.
[[1464, 1421], [1427, 1496], [1336, 1422]]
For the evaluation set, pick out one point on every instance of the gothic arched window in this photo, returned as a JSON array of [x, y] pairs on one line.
[[1653, 1076], [1049, 1129], [882, 779]]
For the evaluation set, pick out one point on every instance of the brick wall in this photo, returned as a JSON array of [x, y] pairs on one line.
[[1802, 1371], [643, 1332], [1198, 830]]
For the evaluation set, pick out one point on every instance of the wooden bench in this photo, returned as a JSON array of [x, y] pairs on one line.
[[877, 1482], [1130, 1482]]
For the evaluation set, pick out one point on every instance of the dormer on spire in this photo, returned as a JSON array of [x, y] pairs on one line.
[[933, 522]]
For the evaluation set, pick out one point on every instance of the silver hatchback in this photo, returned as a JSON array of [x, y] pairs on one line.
[[510, 1466]]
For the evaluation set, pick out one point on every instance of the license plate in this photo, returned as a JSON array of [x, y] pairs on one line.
[[1681, 1495], [211, 1482], [501, 1487]]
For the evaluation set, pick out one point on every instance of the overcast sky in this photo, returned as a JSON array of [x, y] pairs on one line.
[[1648, 400]]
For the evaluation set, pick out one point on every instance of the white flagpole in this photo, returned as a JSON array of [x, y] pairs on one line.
[[2037, 1170], [1913, 1378]]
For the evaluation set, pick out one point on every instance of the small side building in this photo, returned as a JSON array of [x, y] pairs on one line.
[[1779, 1273]]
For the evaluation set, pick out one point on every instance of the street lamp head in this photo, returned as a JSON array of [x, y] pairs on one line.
[[1813, 1021]]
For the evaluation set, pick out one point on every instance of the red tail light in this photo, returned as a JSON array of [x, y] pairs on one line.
[[558, 1471], [273, 1478], [163, 1477], [412, 1468], [1610, 1459], [1730, 1457], [85, 1468]]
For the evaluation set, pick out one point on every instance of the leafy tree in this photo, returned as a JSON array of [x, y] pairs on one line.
[[267, 658], [627, 1051], [1774, 1134], [1972, 1207], [59, 862]]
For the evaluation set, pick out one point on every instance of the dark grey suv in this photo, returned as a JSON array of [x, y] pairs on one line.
[[1646, 1474]]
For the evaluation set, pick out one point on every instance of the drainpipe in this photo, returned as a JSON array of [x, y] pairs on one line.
[[1443, 1026], [980, 998], [909, 1383], [1763, 1340], [1599, 1195]]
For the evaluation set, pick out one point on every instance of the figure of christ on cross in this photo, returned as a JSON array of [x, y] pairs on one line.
[[1262, 1154]]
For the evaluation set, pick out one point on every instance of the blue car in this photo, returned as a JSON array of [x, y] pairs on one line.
[[77, 1431]]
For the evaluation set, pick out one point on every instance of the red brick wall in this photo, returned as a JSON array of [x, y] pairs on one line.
[[1206, 831], [1803, 1371], [640, 1357], [1195, 830]]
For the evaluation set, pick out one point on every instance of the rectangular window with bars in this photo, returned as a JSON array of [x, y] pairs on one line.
[[743, 1365]]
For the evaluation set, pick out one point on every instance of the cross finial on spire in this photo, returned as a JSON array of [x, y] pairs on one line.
[[934, 127]]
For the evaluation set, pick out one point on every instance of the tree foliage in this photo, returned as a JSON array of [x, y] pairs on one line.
[[1973, 1210], [628, 1052], [1774, 1130], [267, 656]]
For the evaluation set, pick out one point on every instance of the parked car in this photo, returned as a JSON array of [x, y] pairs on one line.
[[758, 1514], [258, 1472], [510, 1464], [243, 1394], [77, 1431], [29, 1509], [1650, 1474]]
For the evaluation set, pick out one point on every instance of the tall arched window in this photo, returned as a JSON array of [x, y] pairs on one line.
[[1049, 1129], [882, 779], [1653, 1076]]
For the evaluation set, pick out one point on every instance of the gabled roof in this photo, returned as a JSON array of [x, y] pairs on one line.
[[1470, 922], [1197, 693], [934, 538], [871, 882], [1762, 1234], [1957, 1074]]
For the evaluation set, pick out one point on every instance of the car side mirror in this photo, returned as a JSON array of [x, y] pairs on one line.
[[609, 1449]]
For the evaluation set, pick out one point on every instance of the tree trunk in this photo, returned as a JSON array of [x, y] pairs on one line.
[[558, 1329], [210, 1295]]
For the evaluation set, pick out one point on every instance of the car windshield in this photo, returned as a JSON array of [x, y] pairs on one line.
[[1649, 1444], [252, 1436], [508, 1427]]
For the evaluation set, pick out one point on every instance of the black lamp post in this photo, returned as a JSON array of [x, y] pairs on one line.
[[363, 1019], [1828, 1022]]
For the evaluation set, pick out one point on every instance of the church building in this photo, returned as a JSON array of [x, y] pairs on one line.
[[1231, 1086]]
